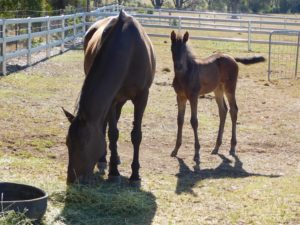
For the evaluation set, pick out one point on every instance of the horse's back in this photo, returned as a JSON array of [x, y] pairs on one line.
[[132, 52], [92, 40], [215, 70]]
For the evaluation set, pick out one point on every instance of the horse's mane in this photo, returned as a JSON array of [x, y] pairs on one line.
[[92, 77]]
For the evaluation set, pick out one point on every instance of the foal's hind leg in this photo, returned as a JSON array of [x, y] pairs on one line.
[[194, 123], [140, 103], [233, 113], [181, 104], [219, 93]]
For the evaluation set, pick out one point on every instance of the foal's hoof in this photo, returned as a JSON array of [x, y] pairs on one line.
[[114, 179], [197, 158], [215, 152], [102, 167], [232, 152], [174, 154]]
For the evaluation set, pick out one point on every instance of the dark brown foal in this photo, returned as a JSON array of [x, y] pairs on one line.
[[217, 73]]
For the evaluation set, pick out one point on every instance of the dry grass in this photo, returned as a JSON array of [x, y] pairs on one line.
[[259, 186]]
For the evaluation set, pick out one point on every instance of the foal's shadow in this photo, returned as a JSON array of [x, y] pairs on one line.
[[188, 178], [106, 202]]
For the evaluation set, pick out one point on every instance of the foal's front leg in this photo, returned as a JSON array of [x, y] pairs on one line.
[[194, 123], [181, 105]]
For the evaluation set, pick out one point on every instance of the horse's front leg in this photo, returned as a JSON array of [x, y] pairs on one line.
[[113, 135], [181, 105], [102, 163], [194, 123], [139, 103]]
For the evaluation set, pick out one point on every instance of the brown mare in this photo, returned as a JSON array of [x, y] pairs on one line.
[[119, 65], [217, 73]]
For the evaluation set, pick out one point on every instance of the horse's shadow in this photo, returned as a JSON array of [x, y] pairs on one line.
[[187, 178], [106, 202]]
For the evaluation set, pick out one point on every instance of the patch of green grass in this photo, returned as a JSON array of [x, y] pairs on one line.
[[14, 218], [74, 56], [39, 144]]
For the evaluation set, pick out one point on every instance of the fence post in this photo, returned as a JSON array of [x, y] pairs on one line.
[[179, 24], [62, 46], [159, 14], [215, 20], [269, 64], [74, 29], [48, 38], [83, 24], [249, 35], [29, 42], [3, 49], [297, 56]]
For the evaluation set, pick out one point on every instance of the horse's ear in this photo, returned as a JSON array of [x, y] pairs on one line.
[[69, 116], [186, 37], [173, 36]]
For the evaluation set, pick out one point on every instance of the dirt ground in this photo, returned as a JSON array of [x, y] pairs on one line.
[[268, 133]]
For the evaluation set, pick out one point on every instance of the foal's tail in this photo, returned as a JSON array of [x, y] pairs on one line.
[[250, 60]]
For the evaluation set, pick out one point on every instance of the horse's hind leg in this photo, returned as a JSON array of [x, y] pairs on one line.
[[219, 93], [181, 104], [139, 103], [233, 113]]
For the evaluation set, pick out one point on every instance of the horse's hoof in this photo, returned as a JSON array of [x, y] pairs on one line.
[[114, 179], [232, 152], [214, 152], [102, 167], [197, 158], [174, 154], [135, 183]]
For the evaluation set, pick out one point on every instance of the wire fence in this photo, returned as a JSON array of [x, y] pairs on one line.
[[284, 59]]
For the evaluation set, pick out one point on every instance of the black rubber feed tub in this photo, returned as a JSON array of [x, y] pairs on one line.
[[23, 198]]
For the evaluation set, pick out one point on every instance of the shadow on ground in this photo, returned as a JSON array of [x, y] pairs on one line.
[[106, 203], [186, 178]]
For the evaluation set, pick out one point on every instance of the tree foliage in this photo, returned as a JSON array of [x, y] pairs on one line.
[[23, 7], [255, 6], [157, 3]]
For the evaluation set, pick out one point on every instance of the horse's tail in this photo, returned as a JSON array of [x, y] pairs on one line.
[[250, 60]]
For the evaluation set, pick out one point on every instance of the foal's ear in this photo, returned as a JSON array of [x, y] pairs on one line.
[[173, 36], [186, 37], [69, 116]]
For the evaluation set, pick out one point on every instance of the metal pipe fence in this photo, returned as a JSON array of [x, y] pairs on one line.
[[46, 33], [283, 60]]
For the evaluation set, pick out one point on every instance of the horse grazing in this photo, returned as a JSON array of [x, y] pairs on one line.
[[119, 65], [217, 73]]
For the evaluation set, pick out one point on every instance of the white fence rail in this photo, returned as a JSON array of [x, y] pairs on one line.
[[58, 31], [43, 33]]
